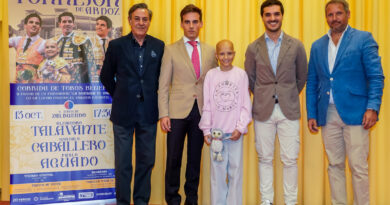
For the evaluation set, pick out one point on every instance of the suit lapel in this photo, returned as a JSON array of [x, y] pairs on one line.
[[187, 59], [286, 43], [344, 44], [262, 47], [202, 54], [324, 54]]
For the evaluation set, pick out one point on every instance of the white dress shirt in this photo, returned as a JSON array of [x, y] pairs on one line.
[[332, 54], [14, 41]]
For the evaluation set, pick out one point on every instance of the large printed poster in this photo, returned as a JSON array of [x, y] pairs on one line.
[[61, 145]]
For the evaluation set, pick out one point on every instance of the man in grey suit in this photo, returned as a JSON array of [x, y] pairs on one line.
[[277, 66]]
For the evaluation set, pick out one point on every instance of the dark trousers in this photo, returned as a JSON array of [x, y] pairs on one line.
[[175, 143], [145, 146]]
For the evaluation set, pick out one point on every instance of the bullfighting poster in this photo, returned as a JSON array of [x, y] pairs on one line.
[[62, 147]]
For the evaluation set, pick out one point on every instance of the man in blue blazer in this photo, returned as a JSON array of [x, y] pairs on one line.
[[130, 74], [344, 93]]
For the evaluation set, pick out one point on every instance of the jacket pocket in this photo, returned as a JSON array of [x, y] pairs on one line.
[[357, 91]]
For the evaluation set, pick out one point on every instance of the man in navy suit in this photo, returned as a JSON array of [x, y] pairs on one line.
[[344, 94], [130, 74]]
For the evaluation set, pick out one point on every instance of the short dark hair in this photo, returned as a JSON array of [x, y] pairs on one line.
[[140, 6], [342, 2], [268, 3], [191, 8], [31, 16], [66, 13], [106, 19]]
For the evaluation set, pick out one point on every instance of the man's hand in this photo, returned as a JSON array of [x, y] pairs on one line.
[[165, 124], [207, 139], [312, 125], [369, 119], [235, 135]]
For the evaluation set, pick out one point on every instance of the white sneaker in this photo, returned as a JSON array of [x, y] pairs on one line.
[[266, 202]]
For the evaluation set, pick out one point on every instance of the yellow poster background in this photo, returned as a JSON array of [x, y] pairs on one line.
[[240, 22]]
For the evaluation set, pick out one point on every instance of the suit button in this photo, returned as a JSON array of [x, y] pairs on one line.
[[196, 83], [142, 81], [276, 82], [273, 96], [331, 79], [327, 93]]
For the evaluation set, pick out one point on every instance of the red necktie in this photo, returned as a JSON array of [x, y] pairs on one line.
[[195, 58]]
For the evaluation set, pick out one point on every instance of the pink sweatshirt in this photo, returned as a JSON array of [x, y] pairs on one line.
[[227, 104]]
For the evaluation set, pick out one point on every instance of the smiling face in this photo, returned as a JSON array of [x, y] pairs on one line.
[[225, 54], [272, 18], [66, 24], [337, 17], [101, 28], [139, 22], [32, 27], [191, 25], [51, 49]]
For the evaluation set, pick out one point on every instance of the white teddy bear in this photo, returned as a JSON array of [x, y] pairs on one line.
[[216, 144]]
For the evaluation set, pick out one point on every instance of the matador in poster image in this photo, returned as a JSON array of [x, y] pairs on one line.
[[75, 48]]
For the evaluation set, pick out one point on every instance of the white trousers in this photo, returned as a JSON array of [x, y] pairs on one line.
[[341, 140], [227, 192], [288, 134]]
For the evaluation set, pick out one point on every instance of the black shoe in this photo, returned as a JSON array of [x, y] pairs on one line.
[[190, 203]]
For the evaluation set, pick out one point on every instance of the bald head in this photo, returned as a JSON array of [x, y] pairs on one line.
[[224, 44], [225, 54], [51, 49]]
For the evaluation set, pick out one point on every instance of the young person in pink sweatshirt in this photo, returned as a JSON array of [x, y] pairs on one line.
[[227, 107]]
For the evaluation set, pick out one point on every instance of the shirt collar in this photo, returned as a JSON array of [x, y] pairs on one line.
[[100, 38], [69, 35], [267, 38], [34, 38], [187, 39], [330, 32], [135, 42]]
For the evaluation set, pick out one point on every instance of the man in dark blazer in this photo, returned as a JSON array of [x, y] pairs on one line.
[[276, 64], [130, 74], [344, 94]]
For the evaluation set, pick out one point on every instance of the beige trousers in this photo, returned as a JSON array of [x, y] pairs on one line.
[[288, 134], [341, 140]]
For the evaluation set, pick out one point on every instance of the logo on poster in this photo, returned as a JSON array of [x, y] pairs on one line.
[[21, 200], [86, 195], [69, 104], [62, 196]]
